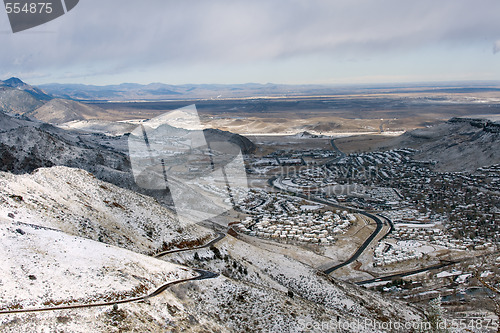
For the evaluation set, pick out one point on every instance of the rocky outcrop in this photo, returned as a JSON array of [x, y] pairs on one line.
[[247, 146], [460, 144], [485, 124]]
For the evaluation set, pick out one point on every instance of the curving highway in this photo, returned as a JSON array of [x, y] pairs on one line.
[[374, 217], [444, 263], [403, 274], [363, 247], [365, 244]]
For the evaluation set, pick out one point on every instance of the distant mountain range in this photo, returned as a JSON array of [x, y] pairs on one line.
[[61, 103], [160, 91], [20, 98], [17, 84]]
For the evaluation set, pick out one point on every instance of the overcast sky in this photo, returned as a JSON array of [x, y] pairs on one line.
[[279, 41]]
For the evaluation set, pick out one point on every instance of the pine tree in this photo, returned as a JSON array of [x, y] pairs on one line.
[[436, 315]]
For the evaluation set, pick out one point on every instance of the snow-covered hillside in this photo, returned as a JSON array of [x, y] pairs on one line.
[[45, 268], [267, 278], [27, 145], [257, 291], [17, 101], [74, 201], [457, 145], [59, 111]]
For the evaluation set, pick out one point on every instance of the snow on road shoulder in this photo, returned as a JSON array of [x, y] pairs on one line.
[[44, 268]]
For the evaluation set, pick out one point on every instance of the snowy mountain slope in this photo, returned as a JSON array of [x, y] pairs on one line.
[[49, 267], [457, 145], [51, 146], [74, 201], [17, 97], [17, 101], [247, 267], [27, 145], [59, 111], [45, 268], [245, 307], [229, 307], [165, 313], [8, 123], [42, 265], [18, 84]]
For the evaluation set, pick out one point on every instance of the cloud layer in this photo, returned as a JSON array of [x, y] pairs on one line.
[[496, 47], [100, 37]]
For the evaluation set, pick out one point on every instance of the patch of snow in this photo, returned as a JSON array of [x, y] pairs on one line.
[[43, 267]]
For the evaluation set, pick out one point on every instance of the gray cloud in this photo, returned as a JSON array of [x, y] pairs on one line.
[[110, 36], [496, 47]]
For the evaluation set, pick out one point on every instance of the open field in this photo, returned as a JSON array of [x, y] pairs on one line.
[[367, 114], [361, 143]]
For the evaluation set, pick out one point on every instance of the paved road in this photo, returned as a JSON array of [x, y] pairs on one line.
[[365, 244], [400, 275], [377, 219], [338, 158], [391, 224], [202, 275], [332, 142], [220, 236], [374, 217], [363, 247], [425, 269]]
